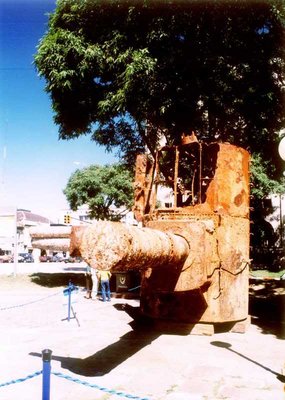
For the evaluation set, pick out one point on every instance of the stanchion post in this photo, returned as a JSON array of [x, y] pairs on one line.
[[46, 356], [69, 299]]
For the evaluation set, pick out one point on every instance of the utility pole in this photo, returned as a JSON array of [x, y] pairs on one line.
[[16, 245]]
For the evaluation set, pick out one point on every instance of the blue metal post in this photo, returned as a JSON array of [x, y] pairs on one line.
[[46, 356], [69, 300]]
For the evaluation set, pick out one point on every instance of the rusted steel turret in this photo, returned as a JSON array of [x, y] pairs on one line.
[[192, 253], [210, 208]]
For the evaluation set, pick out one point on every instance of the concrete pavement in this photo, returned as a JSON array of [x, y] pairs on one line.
[[108, 345]]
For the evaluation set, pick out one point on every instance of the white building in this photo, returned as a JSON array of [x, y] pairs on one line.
[[14, 229], [25, 220]]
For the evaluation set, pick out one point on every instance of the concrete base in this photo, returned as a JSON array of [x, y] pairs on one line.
[[241, 326], [183, 328], [177, 328], [233, 326], [208, 329]]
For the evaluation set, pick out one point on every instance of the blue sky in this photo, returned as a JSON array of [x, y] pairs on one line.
[[34, 164]]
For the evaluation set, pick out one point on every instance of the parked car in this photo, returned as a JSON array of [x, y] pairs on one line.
[[73, 260], [5, 258], [55, 258], [69, 260], [10, 259], [45, 258], [26, 258]]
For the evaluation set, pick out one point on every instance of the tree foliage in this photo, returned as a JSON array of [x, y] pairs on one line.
[[131, 73], [107, 190], [261, 184]]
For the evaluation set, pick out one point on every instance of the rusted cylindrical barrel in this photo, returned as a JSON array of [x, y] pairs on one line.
[[113, 245], [55, 238], [45, 232]]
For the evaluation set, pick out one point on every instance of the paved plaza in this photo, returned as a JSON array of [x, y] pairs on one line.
[[107, 347]]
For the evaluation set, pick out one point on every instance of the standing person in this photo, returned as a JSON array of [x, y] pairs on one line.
[[89, 282], [95, 283], [104, 277]]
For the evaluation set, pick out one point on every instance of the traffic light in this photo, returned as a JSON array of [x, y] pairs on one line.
[[67, 219]]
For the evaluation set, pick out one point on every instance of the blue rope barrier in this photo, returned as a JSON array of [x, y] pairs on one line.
[[21, 379], [65, 292], [30, 302], [129, 290], [103, 389], [136, 287], [75, 380], [46, 373]]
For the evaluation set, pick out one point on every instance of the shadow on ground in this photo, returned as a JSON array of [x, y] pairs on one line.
[[105, 360], [267, 306], [142, 334], [227, 346], [58, 279], [266, 299]]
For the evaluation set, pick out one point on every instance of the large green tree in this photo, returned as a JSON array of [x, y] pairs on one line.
[[107, 190], [131, 73]]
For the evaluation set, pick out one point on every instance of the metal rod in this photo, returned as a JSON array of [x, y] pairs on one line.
[[69, 300], [281, 151], [176, 174], [200, 173], [16, 245]]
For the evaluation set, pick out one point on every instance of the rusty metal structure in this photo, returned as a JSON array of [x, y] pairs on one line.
[[193, 253], [210, 209]]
